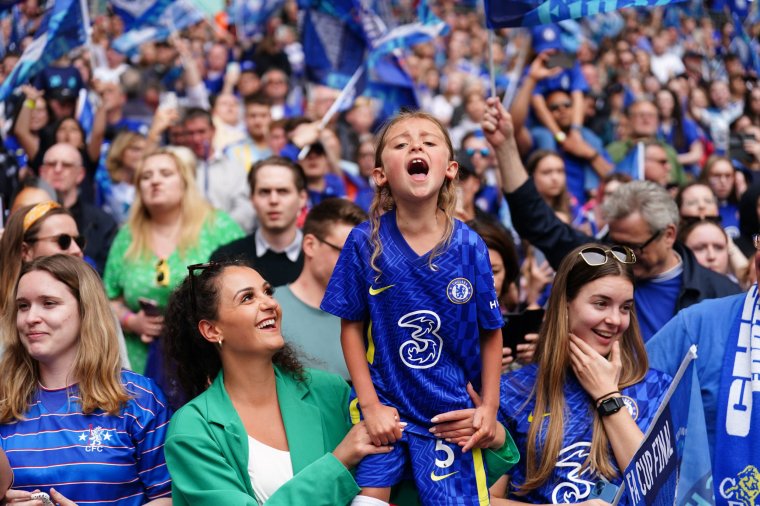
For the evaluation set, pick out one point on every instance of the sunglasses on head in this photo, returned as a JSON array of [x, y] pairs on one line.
[[595, 256], [63, 240], [162, 273], [483, 151], [191, 272]]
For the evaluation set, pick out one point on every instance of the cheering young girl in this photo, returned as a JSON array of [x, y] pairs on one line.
[[420, 319]]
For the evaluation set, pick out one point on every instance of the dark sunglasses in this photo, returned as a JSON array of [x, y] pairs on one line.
[[191, 269], [595, 256], [639, 248], [63, 240], [483, 151], [162, 273], [560, 105]]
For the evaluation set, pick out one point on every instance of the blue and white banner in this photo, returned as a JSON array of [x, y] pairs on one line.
[[61, 30], [250, 16], [157, 25], [515, 13], [672, 465], [135, 13]]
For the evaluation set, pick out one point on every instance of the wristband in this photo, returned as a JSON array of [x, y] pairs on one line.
[[124, 317], [29, 103], [596, 401], [576, 127]]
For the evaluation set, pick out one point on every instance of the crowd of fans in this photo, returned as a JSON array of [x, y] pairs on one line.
[[639, 128]]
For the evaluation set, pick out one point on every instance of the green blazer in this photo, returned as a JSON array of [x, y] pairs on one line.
[[207, 447]]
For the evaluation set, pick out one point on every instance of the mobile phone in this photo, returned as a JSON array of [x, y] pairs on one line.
[[168, 100], [563, 60], [149, 307], [42, 496], [518, 325]]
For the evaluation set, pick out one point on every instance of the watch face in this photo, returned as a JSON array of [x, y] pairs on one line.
[[610, 406]]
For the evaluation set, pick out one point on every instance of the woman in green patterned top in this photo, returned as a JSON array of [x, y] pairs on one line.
[[170, 226]]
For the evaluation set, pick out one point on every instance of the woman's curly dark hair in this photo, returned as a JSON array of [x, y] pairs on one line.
[[195, 360]]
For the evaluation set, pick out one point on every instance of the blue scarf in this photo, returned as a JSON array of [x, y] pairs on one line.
[[736, 468]]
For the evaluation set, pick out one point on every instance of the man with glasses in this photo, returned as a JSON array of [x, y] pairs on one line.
[[63, 169], [641, 215], [278, 194], [644, 121], [316, 332], [584, 155]]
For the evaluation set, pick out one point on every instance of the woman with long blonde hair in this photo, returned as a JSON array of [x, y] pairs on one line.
[[577, 413], [70, 417], [170, 225]]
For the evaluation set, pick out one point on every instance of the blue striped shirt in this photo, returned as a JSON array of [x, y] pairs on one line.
[[96, 458]]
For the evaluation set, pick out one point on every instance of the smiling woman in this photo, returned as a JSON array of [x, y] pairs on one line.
[[70, 415], [590, 363]]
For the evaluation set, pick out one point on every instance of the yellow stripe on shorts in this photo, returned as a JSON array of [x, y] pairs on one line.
[[480, 476]]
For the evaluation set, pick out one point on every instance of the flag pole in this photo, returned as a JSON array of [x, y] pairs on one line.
[[509, 95], [347, 89], [87, 31], [491, 69]]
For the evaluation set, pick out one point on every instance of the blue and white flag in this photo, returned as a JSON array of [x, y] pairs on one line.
[[515, 13], [157, 25], [61, 30], [250, 16], [135, 13], [672, 464]]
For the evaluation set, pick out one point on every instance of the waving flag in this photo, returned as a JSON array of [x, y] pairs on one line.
[[514, 13], [61, 30], [251, 16], [157, 23], [135, 13], [343, 36]]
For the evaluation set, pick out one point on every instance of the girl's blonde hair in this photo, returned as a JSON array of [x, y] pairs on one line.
[[114, 163], [553, 359], [383, 199], [97, 365], [194, 210]]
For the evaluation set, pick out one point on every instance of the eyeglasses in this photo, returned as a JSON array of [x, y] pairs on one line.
[[595, 256], [191, 272], [53, 164], [162, 273], [661, 161], [333, 246], [63, 240], [483, 151], [639, 248], [560, 105], [688, 221]]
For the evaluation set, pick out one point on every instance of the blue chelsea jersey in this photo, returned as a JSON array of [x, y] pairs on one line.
[[569, 482], [422, 322]]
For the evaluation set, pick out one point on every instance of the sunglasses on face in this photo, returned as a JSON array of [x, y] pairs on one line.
[[595, 256], [560, 105], [483, 151], [191, 272], [162, 273], [63, 240]]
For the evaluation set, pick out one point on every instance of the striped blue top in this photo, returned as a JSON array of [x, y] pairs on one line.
[[96, 458]]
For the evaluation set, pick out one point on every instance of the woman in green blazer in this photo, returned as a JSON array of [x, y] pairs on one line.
[[224, 323]]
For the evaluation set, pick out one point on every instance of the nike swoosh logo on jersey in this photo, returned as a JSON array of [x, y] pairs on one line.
[[436, 477], [376, 291], [530, 416]]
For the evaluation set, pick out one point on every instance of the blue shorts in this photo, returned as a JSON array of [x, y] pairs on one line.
[[443, 474]]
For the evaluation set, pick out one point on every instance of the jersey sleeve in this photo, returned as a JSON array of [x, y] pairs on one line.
[[150, 421], [346, 294], [489, 314]]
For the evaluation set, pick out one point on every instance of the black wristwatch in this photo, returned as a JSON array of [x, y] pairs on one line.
[[610, 406]]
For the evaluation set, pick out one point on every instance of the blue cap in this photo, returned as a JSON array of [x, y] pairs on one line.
[[546, 37]]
